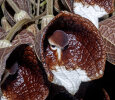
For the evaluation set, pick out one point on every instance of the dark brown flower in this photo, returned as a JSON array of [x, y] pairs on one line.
[[27, 81], [24, 37], [81, 60]]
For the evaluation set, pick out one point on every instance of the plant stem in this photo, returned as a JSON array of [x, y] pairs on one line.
[[38, 10], [49, 7], [19, 25], [41, 15], [13, 5], [29, 3], [33, 2], [42, 4], [38, 7], [34, 8]]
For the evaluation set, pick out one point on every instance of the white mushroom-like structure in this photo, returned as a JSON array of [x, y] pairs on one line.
[[93, 9]]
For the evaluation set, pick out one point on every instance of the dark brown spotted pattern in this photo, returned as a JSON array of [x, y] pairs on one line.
[[28, 82], [86, 49]]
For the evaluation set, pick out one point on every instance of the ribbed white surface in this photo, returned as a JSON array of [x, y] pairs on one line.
[[90, 12], [70, 79]]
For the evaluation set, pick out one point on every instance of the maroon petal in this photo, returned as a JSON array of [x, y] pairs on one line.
[[85, 50], [108, 34], [28, 82]]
